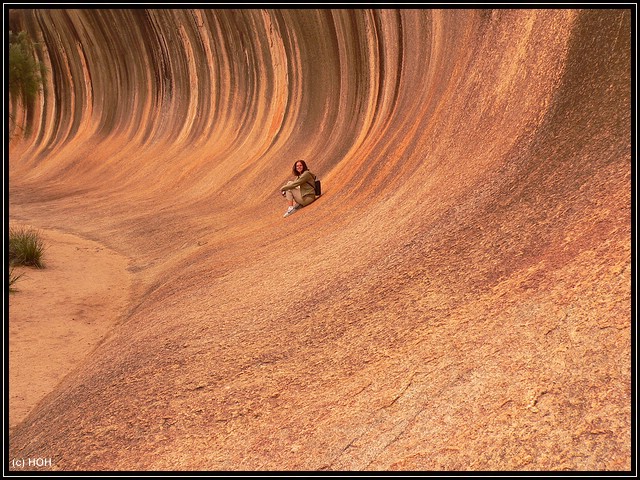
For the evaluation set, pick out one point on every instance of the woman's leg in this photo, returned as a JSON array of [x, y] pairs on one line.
[[307, 200], [294, 195]]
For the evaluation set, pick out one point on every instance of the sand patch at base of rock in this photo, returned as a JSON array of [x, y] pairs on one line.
[[60, 313]]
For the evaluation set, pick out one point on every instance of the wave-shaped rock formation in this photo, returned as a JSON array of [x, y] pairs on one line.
[[459, 297]]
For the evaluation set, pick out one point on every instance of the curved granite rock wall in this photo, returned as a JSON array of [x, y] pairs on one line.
[[432, 311]]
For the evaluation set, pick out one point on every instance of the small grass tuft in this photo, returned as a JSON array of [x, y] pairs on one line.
[[13, 278], [26, 247]]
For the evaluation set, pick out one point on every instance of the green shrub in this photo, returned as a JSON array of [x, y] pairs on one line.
[[26, 73], [26, 247], [27, 76]]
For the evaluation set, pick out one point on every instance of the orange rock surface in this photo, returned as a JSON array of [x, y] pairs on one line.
[[458, 299]]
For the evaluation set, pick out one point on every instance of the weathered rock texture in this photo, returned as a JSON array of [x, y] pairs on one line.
[[459, 298]]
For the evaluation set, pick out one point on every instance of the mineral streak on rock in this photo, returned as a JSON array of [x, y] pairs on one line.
[[459, 297]]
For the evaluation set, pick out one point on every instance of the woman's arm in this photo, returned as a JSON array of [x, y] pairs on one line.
[[306, 177]]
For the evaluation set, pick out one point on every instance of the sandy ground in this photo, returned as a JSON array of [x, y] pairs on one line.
[[59, 314]]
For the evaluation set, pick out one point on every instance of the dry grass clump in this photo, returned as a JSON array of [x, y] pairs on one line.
[[26, 248]]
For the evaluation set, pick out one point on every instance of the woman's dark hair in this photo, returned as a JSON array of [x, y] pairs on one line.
[[304, 167]]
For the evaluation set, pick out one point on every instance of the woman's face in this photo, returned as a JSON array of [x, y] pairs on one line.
[[299, 167]]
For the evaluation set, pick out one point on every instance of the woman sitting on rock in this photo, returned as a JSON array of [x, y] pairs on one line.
[[301, 192]]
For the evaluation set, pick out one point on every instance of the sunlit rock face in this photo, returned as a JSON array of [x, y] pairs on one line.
[[459, 297]]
